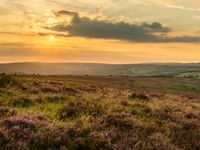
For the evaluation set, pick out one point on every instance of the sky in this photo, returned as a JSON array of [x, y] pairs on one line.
[[100, 31]]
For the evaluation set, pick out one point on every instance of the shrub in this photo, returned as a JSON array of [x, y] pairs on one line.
[[69, 111], [51, 90], [141, 109], [158, 142], [76, 108], [141, 97], [5, 80], [93, 141], [19, 131], [4, 140], [22, 102], [166, 114], [125, 103], [6, 112], [191, 115], [21, 121], [119, 120], [50, 137], [88, 88], [187, 135], [72, 138], [55, 98], [70, 91]]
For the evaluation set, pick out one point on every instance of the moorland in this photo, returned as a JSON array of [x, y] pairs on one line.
[[99, 112]]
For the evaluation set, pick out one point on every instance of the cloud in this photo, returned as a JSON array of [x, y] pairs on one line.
[[106, 30], [17, 33], [156, 27], [182, 7], [65, 12], [33, 34], [13, 44], [93, 28]]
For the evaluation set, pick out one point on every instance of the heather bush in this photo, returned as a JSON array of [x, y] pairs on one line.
[[186, 135], [125, 103], [6, 112], [140, 109], [22, 122], [51, 90], [72, 138], [50, 138], [159, 142], [124, 132], [5, 80], [21, 102], [70, 91], [191, 115], [75, 108], [19, 131], [119, 120], [4, 140], [166, 114], [33, 90], [142, 97], [93, 141], [55, 98], [88, 89]]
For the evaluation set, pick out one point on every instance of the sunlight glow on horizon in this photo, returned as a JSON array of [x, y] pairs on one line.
[[87, 31], [51, 37]]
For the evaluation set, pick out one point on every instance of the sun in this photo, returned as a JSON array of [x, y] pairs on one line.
[[51, 37]]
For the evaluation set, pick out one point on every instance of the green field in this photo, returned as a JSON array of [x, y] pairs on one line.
[[194, 75], [99, 112]]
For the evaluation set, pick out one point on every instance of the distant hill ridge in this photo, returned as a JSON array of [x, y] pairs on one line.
[[147, 69]]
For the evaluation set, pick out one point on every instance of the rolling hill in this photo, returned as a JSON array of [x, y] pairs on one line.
[[151, 69]]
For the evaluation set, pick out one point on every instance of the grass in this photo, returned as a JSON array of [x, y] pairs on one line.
[[99, 112], [194, 75]]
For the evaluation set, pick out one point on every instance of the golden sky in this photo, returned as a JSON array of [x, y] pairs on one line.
[[100, 31]]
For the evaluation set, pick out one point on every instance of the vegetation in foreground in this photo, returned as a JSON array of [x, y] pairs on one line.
[[94, 113]]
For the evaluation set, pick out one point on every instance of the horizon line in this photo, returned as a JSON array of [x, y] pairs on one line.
[[49, 62]]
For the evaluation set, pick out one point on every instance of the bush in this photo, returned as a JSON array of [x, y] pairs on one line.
[[55, 98], [158, 142], [22, 122], [119, 120], [191, 115], [69, 111], [166, 114], [141, 97], [76, 108], [49, 89], [22, 102], [71, 138], [5, 80], [141, 109], [19, 131], [70, 91], [6, 112], [187, 135]]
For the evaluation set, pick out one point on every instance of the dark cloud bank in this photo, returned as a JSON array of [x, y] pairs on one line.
[[86, 27]]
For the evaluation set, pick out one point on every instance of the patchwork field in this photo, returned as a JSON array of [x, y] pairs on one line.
[[99, 112]]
